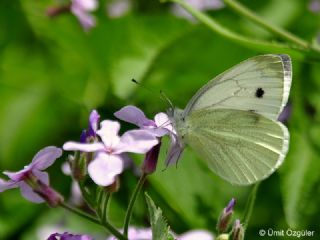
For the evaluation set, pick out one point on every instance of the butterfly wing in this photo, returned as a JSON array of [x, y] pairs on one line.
[[260, 84], [240, 146]]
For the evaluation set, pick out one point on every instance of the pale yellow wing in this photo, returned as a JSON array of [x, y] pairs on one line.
[[240, 146], [260, 84]]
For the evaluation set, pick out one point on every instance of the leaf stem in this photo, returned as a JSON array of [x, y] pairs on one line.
[[250, 205], [246, 12], [254, 44], [132, 202]]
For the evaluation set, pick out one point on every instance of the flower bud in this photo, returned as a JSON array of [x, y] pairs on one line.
[[79, 167], [114, 187], [55, 11], [52, 197], [237, 231], [223, 236], [151, 159], [225, 217], [83, 136]]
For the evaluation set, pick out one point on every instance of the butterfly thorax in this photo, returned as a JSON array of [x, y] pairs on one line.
[[178, 120]]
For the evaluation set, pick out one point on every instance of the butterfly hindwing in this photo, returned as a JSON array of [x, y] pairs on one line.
[[260, 84], [240, 146]]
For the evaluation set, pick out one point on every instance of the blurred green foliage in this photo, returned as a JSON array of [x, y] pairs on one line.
[[52, 74]]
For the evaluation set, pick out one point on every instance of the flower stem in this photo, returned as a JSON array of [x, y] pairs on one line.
[[105, 211], [254, 44], [246, 12], [114, 231], [250, 205], [80, 213], [131, 204], [107, 225], [103, 207]]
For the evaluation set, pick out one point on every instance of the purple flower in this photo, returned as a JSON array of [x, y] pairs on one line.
[[68, 236], [76, 195], [108, 161], [33, 183], [81, 9], [137, 234], [146, 234], [151, 159], [285, 114], [225, 217], [160, 126], [230, 206], [118, 8], [93, 123], [314, 6], [90, 134], [196, 235]]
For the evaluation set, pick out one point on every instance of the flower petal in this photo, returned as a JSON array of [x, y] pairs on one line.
[[83, 136], [5, 185], [135, 116], [45, 157], [104, 168], [140, 233], [136, 141], [196, 234], [29, 194], [83, 147], [175, 150], [85, 5], [93, 123], [42, 176], [158, 132], [69, 236], [18, 176], [127, 161], [118, 8], [76, 195], [109, 133], [66, 169], [86, 20], [163, 121]]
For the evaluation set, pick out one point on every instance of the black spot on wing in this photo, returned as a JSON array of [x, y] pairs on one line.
[[259, 93]]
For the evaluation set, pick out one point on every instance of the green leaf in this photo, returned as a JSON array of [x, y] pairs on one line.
[[299, 182], [160, 228]]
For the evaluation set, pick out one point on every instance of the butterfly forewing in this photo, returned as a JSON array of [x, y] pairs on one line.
[[260, 84], [240, 146]]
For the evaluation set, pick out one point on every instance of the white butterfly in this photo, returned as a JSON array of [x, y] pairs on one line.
[[231, 122]]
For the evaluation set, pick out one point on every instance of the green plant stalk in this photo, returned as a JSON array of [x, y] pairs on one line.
[[106, 207], [80, 213], [250, 205], [246, 12], [106, 225], [254, 44], [132, 202]]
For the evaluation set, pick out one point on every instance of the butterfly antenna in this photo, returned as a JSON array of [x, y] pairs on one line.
[[163, 97]]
